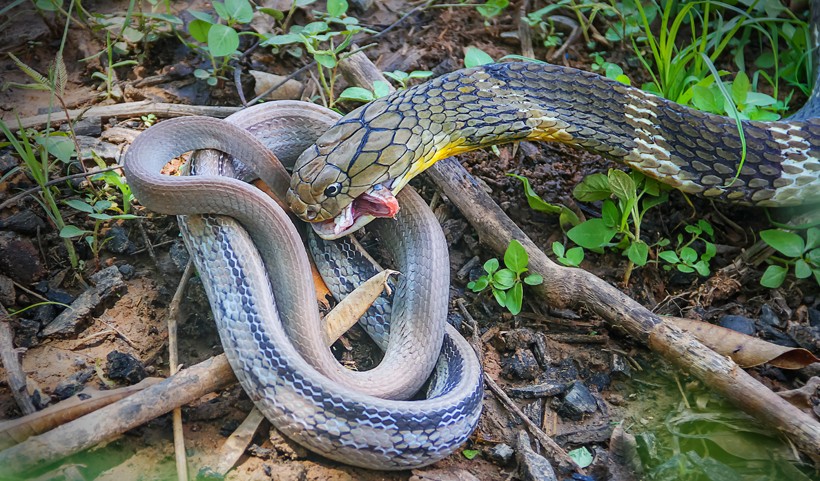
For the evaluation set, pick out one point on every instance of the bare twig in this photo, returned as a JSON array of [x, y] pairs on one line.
[[173, 361], [16, 377]]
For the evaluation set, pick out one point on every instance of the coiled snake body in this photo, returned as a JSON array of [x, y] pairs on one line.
[[260, 288]]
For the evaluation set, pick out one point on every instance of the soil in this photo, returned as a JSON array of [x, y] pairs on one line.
[[134, 322]]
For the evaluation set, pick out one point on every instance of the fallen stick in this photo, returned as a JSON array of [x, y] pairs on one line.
[[15, 376], [570, 287], [173, 362], [128, 109], [109, 422]]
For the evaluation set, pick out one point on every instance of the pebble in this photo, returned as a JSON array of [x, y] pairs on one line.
[[577, 402], [7, 292], [547, 389], [740, 324], [127, 270], [501, 454], [25, 332], [768, 316], [7, 162], [118, 241], [600, 380], [125, 367], [108, 283], [74, 384], [179, 255], [24, 222], [522, 365], [531, 465], [89, 126], [19, 258], [618, 367]]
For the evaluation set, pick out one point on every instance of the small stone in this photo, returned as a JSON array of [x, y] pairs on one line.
[[127, 270], [19, 258], [88, 126], [741, 324], [501, 454], [24, 222], [125, 367], [108, 283], [43, 313], [74, 384], [25, 332], [600, 380], [286, 448], [768, 316], [59, 295], [577, 402], [118, 242], [7, 162], [7, 292], [454, 230], [618, 367], [228, 428], [522, 365], [179, 255], [531, 465], [541, 351]]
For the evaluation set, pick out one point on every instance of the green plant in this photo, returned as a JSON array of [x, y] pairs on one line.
[[635, 195], [403, 78], [148, 120], [507, 284], [474, 56], [566, 217], [325, 45], [804, 255], [108, 78], [218, 41], [609, 69], [685, 258], [360, 94], [97, 212], [572, 257]]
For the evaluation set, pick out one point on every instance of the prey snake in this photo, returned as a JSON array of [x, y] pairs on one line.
[[354, 169]]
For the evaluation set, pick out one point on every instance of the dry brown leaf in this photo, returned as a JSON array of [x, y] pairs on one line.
[[351, 308], [746, 351]]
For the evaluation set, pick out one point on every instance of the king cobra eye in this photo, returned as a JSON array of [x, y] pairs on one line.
[[333, 189]]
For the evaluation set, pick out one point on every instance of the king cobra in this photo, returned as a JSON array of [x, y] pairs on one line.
[[257, 275]]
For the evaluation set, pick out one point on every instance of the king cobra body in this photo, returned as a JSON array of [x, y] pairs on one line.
[[351, 174], [261, 293]]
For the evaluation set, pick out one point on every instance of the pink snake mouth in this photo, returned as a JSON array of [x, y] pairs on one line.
[[379, 201]]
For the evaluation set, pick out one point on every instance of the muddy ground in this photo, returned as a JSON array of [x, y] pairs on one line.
[[579, 347]]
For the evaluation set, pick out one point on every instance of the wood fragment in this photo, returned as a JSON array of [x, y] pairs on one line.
[[173, 361], [109, 422], [348, 311], [235, 445], [88, 400], [15, 376]]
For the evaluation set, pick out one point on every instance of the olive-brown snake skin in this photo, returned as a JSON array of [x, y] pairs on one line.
[[284, 365]]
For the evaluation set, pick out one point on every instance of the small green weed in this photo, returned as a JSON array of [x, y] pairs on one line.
[[566, 217], [217, 41], [110, 75], [635, 195], [609, 69], [507, 284], [571, 258], [803, 255], [474, 57], [685, 258], [360, 94], [404, 78]]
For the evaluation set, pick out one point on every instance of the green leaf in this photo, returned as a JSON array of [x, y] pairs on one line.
[[100, 216], [500, 297], [558, 249], [622, 185], [774, 276], [704, 99], [325, 60], [473, 57], [357, 94], [581, 456], [575, 256], [276, 14], [503, 279], [669, 256], [787, 243], [286, 39], [315, 28], [479, 284], [638, 252], [71, 231], [336, 8], [470, 453], [381, 88], [592, 234], [515, 298], [740, 88], [516, 257], [420, 74], [812, 238], [222, 40], [534, 200], [221, 11], [534, 280], [813, 256], [688, 255], [593, 187], [59, 146], [685, 269], [205, 17], [801, 269], [702, 267], [303, 3], [239, 10], [80, 205], [610, 214], [201, 74], [491, 8], [491, 265]]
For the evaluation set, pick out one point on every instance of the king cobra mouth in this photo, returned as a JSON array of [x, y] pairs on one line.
[[378, 201]]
